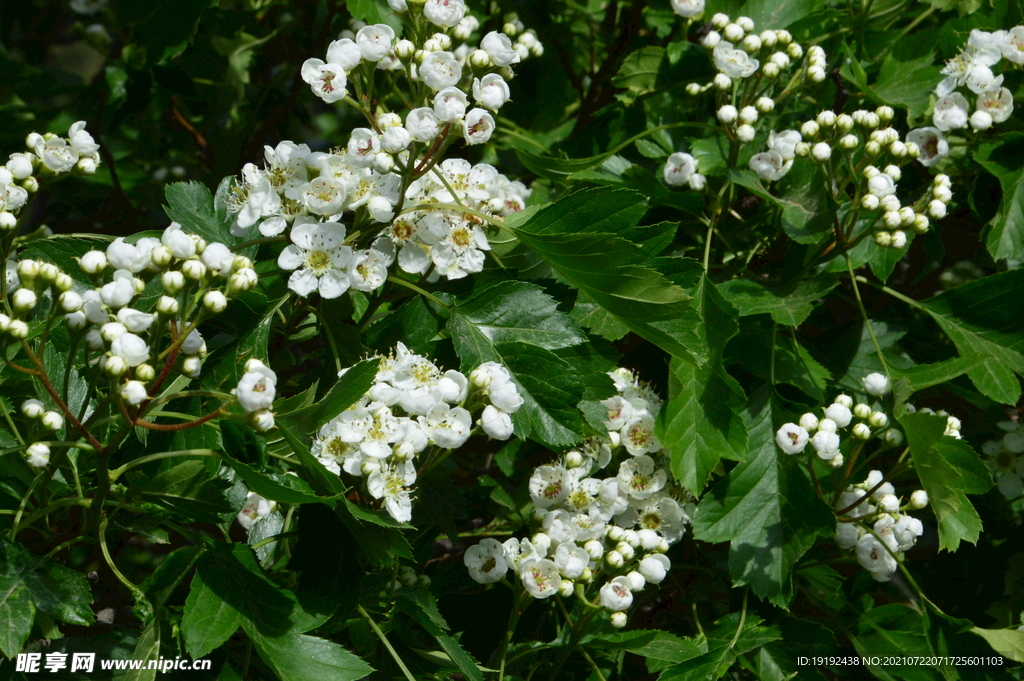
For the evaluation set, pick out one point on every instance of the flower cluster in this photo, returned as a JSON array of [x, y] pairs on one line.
[[612, 530], [47, 154], [1005, 460], [860, 420], [740, 53], [875, 525], [413, 406]]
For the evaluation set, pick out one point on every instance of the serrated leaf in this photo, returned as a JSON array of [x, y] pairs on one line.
[[1006, 230], [191, 205], [701, 421], [520, 312], [947, 469], [982, 318], [16, 614], [907, 81], [788, 305], [768, 510], [577, 237], [187, 489], [1008, 642], [807, 212], [298, 657], [146, 649], [342, 395], [208, 621]]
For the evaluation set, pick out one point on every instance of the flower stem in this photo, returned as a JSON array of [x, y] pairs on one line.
[[864, 314], [387, 644]]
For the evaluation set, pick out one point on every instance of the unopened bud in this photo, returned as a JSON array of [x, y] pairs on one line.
[[52, 421], [215, 301]]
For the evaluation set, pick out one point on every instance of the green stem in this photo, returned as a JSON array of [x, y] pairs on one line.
[[864, 314], [387, 644], [413, 287], [513, 620], [743, 619], [270, 540], [593, 665]]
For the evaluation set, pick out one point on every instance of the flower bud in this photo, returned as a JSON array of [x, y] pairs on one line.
[[821, 152], [733, 33], [727, 114], [624, 550], [111, 331], [837, 460], [115, 366], [161, 256], [862, 411], [894, 437], [878, 420], [636, 581], [719, 21], [883, 239], [594, 549], [193, 269], [746, 23], [38, 455], [937, 209], [861, 431], [816, 74], [698, 182], [770, 70], [173, 281], [70, 301], [145, 372], [663, 546], [7, 220], [809, 129], [768, 38], [167, 305], [693, 88], [614, 559], [752, 43], [614, 532], [618, 620], [722, 82], [890, 203], [711, 39], [23, 300], [32, 409], [262, 420], [215, 301], [48, 271], [480, 59], [869, 202], [748, 114], [795, 51], [920, 223], [404, 49], [765, 104], [573, 459], [423, 581], [809, 422], [28, 270], [898, 149], [383, 162], [368, 467], [981, 120], [565, 588], [745, 133], [18, 329], [52, 421], [632, 538], [844, 400], [919, 499], [892, 219]]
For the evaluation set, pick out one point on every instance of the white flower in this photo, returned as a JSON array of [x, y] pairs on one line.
[[131, 348], [134, 320], [874, 558], [981, 79], [571, 560], [486, 561], [769, 165], [733, 62], [996, 103], [619, 412], [679, 168], [826, 444], [422, 124], [440, 70], [391, 483], [616, 594], [327, 81], [549, 485], [499, 48], [540, 577], [256, 389], [881, 185], [906, 531], [323, 195], [218, 258], [847, 535], [345, 53], [478, 126], [1012, 45], [931, 143], [448, 427], [116, 293], [638, 435], [491, 91], [56, 154], [791, 438], [255, 507], [445, 13], [688, 8], [363, 145], [496, 423], [180, 244], [374, 42], [951, 112], [131, 257], [367, 270], [318, 257], [640, 477], [81, 141], [840, 414], [875, 384], [785, 143]]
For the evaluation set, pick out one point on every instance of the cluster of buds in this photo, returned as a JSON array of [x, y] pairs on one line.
[[30, 285], [47, 154], [861, 421], [611, 532]]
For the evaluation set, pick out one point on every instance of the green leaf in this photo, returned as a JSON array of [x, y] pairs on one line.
[[147, 648], [160, 585], [517, 325], [380, 544], [63, 250], [702, 419], [1006, 642], [981, 318], [788, 305], [342, 395], [768, 510], [653, 644], [422, 607], [208, 621], [16, 614], [188, 489], [163, 27], [1006, 230], [907, 77], [270, 483], [639, 72], [577, 237], [807, 211], [60, 592], [777, 14], [374, 12], [947, 469], [191, 205], [926, 375], [297, 657], [324, 482]]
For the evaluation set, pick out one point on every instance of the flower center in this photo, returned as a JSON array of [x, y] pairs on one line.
[[318, 261], [650, 520], [552, 490]]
